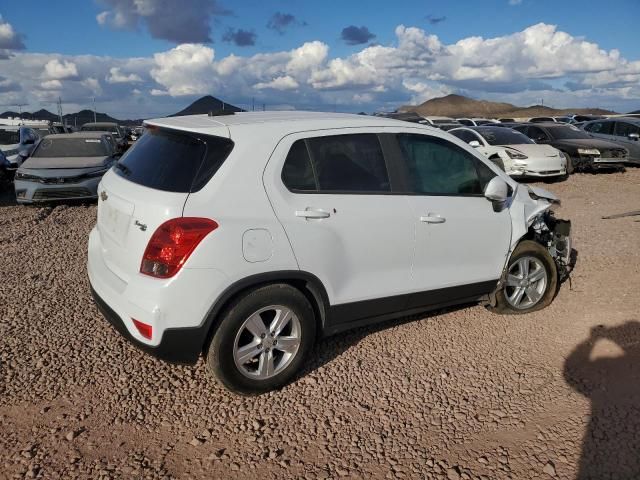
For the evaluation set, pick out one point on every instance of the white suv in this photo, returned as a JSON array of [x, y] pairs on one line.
[[247, 236]]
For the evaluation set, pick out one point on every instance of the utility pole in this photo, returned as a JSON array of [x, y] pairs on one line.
[[253, 104], [94, 110], [60, 110]]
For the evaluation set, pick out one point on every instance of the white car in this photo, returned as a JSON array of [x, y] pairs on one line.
[[247, 236], [476, 122], [514, 152]]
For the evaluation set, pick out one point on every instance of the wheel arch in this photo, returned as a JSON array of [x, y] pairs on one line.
[[308, 284]]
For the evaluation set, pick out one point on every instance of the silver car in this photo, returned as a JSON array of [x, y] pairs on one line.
[[65, 167], [622, 130]]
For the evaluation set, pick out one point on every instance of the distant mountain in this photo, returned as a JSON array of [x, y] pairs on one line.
[[79, 118], [460, 106], [637, 112], [207, 104]]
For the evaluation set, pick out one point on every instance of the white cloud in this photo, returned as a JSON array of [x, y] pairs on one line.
[[279, 83], [116, 76], [51, 85], [92, 84], [185, 70], [59, 70], [539, 61], [10, 40], [515, 2]]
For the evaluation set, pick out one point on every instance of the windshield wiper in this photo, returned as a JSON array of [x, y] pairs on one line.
[[125, 170]]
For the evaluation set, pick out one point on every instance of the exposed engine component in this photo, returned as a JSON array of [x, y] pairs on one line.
[[554, 234]]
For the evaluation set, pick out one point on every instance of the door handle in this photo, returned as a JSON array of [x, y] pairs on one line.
[[433, 218], [309, 213]]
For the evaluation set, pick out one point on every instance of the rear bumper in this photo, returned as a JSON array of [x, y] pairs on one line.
[[177, 309], [180, 345]]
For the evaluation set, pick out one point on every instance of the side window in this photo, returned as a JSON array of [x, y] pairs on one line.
[[603, 128], [349, 163], [438, 167], [623, 129], [297, 173]]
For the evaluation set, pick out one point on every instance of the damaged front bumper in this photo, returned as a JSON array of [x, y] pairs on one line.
[[555, 235]]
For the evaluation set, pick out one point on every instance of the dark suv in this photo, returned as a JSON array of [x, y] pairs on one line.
[[583, 152]]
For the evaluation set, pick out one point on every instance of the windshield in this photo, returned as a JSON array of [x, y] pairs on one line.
[[70, 147], [9, 137], [503, 136], [567, 133]]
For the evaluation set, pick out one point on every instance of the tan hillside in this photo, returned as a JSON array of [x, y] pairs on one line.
[[460, 106]]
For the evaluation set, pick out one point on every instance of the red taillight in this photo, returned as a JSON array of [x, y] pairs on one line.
[[172, 243], [145, 330]]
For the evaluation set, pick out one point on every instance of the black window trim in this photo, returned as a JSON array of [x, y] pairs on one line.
[[396, 168]]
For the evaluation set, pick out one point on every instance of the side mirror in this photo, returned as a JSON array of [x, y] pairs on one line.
[[496, 190], [474, 144], [540, 139], [634, 136]]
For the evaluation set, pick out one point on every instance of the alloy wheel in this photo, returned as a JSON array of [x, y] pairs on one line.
[[267, 342], [526, 283]]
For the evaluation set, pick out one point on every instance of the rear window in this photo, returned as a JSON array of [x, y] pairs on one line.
[[173, 161], [99, 128], [70, 147]]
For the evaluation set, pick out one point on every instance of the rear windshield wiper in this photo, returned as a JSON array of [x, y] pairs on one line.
[[123, 168]]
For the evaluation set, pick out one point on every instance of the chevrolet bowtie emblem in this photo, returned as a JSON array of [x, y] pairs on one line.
[[103, 196]]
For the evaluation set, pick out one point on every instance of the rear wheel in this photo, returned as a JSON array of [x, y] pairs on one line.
[[531, 280], [263, 339]]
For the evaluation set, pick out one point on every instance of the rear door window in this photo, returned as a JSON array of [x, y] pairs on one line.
[[349, 163], [297, 173], [173, 161]]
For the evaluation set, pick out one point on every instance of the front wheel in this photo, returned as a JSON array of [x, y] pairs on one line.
[[262, 340], [531, 280]]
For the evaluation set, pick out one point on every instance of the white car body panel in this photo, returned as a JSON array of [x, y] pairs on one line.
[[362, 250], [370, 246]]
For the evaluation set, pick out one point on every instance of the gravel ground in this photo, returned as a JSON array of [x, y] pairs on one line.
[[458, 394]]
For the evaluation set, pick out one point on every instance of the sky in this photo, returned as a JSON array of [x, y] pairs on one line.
[[145, 58]]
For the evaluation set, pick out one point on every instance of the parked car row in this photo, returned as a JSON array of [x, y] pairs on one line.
[[47, 165], [546, 146]]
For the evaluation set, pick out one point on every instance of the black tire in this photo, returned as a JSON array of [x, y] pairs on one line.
[[220, 354], [570, 167], [529, 248]]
